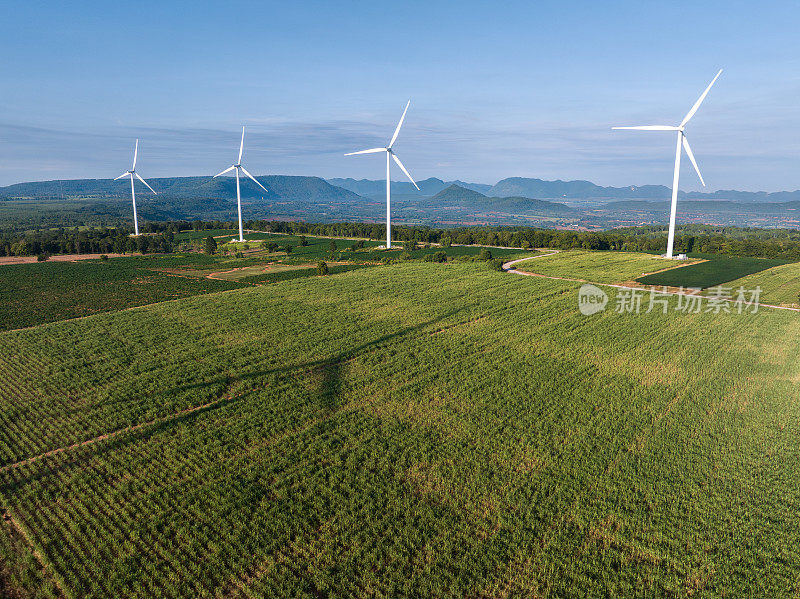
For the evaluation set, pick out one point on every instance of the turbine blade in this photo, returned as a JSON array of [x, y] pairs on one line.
[[121, 176], [691, 157], [690, 114], [371, 151], [650, 128], [138, 176], [227, 170], [400, 124], [244, 170], [400, 164], [135, 154], [241, 147]]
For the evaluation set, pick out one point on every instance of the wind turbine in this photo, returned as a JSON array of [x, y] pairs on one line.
[[238, 167], [132, 173], [682, 141], [390, 154]]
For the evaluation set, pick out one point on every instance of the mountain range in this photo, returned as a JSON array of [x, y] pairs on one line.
[[515, 200]]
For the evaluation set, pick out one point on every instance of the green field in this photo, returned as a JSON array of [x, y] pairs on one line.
[[779, 284], [598, 267], [410, 430], [36, 293], [716, 271]]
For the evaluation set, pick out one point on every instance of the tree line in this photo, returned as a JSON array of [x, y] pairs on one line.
[[158, 237]]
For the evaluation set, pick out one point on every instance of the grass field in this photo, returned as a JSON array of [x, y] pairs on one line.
[[598, 267], [410, 430], [35, 293], [716, 271], [779, 284]]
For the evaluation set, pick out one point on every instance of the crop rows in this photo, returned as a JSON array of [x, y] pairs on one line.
[[409, 430], [598, 267]]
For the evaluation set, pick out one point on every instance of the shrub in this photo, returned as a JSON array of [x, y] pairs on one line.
[[288, 248], [436, 257], [405, 256], [211, 245], [42, 257], [322, 268], [303, 241], [446, 242], [239, 255], [485, 254], [103, 257], [496, 264], [332, 246], [246, 246]]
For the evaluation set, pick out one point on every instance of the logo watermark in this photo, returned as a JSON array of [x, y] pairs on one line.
[[591, 300], [687, 300]]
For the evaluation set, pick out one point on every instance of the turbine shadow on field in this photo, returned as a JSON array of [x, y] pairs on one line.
[[77, 457], [328, 385]]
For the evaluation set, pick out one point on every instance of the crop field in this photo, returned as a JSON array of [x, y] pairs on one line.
[[319, 248], [716, 271], [598, 267], [36, 293], [414, 429], [779, 285]]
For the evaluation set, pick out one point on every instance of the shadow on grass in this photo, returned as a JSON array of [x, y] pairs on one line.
[[328, 371]]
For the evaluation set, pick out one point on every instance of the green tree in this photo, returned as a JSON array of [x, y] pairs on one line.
[[303, 241], [322, 268], [288, 248], [332, 246], [211, 245]]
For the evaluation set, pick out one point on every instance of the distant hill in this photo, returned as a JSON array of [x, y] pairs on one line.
[[313, 189], [455, 195], [427, 187], [586, 190]]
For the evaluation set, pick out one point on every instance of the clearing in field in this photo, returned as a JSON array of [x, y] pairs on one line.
[[598, 266], [410, 430]]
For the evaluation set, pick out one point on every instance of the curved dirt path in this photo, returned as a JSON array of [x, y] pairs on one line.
[[509, 267]]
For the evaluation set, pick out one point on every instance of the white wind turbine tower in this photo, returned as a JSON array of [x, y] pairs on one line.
[[682, 141], [238, 167], [390, 154], [133, 174]]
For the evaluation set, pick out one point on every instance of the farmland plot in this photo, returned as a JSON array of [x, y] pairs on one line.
[[409, 430], [598, 267]]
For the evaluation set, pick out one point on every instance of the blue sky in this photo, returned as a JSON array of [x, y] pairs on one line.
[[498, 89]]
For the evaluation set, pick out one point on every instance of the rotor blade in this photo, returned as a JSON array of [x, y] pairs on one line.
[[400, 124], [227, 170], [371, 151], [691, 157], [400, 164], [145, 182], [690, 114], [244, 170], [135, 154], [121, 176], [650, 128], [241, 147]]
